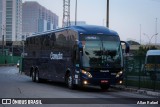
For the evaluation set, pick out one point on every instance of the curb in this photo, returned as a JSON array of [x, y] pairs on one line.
[[7, 65], [139, 91]]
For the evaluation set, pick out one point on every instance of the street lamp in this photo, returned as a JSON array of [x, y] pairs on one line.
[[76, 13], [156, 32], [23, 43], [107, 14], [3, 30], [151, 37]]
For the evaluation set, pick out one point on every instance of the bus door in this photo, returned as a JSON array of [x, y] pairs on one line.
[[152, 66]]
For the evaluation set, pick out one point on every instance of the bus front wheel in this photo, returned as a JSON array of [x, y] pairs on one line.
[[69, 81], [38, 79]]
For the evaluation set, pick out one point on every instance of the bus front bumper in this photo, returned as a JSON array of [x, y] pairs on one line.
[[100, 81]]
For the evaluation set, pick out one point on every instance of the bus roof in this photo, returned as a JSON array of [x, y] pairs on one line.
[[85, 29], [93, 29], [153, 52]]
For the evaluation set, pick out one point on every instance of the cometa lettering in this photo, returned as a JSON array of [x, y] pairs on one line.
[[56, 56]]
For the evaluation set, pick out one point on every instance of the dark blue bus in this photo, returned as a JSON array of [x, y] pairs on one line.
[[76, 55]]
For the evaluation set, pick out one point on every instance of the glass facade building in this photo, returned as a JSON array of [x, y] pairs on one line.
[[37, 18], [11, 19]]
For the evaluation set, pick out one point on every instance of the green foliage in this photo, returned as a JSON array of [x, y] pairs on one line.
[[143, 50], [143, 83]]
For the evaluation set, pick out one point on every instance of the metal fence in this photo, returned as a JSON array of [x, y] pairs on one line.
[[135, 75], [5, 59]]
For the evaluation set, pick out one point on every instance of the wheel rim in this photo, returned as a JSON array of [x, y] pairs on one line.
[[70, 81], [37, 78], [33, 76]]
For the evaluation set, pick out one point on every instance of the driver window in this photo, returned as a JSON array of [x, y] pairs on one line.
[[77, 55]]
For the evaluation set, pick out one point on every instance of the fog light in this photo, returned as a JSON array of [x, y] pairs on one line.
[[120, 82], [85, 82]]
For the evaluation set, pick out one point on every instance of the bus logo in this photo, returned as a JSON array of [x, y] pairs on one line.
[[56, 56], [6, 101]]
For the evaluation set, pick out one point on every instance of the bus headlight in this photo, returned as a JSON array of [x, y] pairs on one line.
[[120, 82], [85, 82], [119, 74], [86, 73]]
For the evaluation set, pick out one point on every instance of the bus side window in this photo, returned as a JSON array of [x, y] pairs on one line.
[[33, 54], [26, 43], [43, 43], [47, 41], [75, 55], [52, 40]]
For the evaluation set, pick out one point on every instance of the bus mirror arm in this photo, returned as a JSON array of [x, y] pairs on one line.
[[127, 49], [81, 51], [80, 55]]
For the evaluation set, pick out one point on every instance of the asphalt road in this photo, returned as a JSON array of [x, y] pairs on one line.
[[15, 85]]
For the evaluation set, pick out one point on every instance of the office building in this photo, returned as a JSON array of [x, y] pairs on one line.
[[2, 20], [37, 18], [11, 20]]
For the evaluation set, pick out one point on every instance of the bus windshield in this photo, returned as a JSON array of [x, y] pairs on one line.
[[101, 51], [153, 59]]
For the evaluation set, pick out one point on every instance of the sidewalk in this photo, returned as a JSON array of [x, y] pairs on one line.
[[7, 65], [143, 91]]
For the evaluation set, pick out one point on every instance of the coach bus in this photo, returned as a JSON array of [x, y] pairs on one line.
[[152, 64], [77, 55]]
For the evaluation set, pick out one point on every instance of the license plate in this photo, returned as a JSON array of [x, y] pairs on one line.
[[104, 70], [104, 81]]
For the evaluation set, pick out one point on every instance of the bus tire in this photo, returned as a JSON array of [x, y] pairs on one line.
[[69, 81], [104, 86], [33, 76], [38, 79]]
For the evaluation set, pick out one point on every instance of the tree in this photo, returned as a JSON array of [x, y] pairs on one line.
[[143, 50]]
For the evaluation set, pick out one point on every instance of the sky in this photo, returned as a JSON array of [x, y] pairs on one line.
[[127, 17]]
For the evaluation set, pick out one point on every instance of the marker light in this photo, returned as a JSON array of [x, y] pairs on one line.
[[119, 74], [86, 73]]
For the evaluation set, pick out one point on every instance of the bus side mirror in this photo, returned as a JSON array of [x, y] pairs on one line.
[[80, 52], [80, 48], [127, 48]]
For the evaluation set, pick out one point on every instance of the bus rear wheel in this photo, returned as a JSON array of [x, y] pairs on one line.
[[33, 76], [38, 79], [37, 76]]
